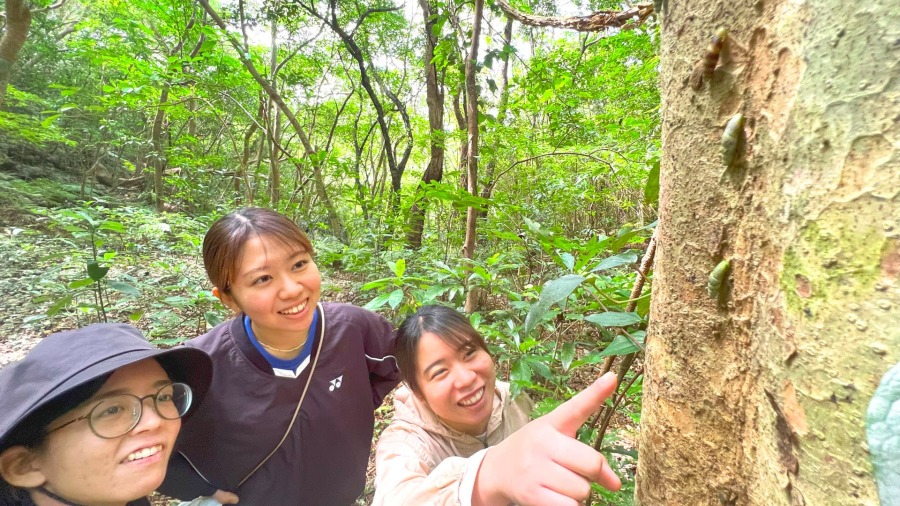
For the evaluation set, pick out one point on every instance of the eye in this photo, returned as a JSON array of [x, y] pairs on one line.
[[165, 397], [438, 373], [110, 409], [262, 279], [301, 264], [471, 351]]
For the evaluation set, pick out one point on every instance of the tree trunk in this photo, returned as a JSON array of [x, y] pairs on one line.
[[502, 108], [18, 22], [472, 160], [157, 157], [274, 125], [759, 397], [434, 92]]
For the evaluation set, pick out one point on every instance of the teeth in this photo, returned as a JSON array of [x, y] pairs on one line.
[[295, 309], [144, 453], [475, 398]]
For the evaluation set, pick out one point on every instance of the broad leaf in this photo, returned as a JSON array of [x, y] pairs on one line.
[[621, 345], [125, 288], [553, 292], [613, 319], [377, 302], [628, 257], [96, 271], [395, 298], [567, 355]]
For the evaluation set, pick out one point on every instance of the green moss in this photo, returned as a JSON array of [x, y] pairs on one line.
[[837, 256]]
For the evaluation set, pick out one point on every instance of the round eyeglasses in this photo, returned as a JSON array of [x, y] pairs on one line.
[[117, 415]]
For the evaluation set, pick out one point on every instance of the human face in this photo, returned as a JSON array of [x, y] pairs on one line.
[[457, 384], [278, 287], [86, 469]]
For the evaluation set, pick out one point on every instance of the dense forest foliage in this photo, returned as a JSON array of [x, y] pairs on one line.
[[434, 152]]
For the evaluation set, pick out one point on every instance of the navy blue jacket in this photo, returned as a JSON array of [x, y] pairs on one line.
[[248, 410]]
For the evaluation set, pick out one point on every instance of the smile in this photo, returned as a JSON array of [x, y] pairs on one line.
[[471, 401], [143, 453], [294, 310]]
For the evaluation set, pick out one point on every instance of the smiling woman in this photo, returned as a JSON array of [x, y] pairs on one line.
[[459, 438], [91, 417], [290, 415]]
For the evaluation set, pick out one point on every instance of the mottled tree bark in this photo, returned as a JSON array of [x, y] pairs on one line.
[[759, 397]]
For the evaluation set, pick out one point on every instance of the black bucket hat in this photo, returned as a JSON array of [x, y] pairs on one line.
[[66, 360]]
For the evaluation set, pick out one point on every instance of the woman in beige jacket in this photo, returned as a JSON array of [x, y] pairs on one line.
[[458, 438]]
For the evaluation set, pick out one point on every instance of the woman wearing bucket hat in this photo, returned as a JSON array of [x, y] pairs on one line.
[[90, 416]]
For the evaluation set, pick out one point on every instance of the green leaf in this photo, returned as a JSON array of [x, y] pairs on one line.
[[399, 267], [49, 120], [520, 372], [79, 283], [377, 302], [553, 292], [613, 319], [58, 306], [545, 406], [136, 316], [433, 292], [628, 257], [378, 283], [567, 355], [621, 345], [125, 288], [113, 226], [212, 318], [568, 260], [96, 271], [395, 298]]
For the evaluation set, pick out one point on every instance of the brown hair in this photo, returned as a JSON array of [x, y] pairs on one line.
[[223, 245], [447, 324]]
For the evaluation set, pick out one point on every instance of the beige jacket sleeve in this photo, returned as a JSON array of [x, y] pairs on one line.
[[406, 476]]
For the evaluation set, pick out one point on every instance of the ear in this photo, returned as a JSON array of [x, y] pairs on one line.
[[226, 299], [20, 467]]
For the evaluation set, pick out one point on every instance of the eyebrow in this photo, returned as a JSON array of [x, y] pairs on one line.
[[265, 266]]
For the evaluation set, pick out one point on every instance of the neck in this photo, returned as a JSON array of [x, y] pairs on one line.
[[281, 344]]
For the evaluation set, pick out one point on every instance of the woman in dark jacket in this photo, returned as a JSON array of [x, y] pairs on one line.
[[90, 417]]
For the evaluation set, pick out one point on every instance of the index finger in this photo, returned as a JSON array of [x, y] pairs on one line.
[[570, 415]]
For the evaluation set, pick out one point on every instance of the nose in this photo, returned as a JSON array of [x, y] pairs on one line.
[[150, 419], [290, 287], [463, 377]]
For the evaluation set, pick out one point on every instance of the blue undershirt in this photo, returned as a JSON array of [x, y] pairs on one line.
[[292, 367]]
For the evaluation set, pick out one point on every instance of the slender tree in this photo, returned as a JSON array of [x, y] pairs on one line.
[[434, 93]]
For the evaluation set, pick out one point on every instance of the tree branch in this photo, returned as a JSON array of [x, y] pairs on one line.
[[369, 12], [594, 22]]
